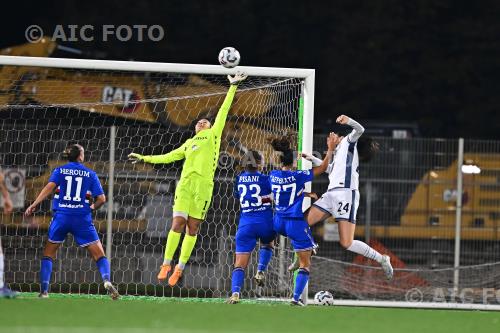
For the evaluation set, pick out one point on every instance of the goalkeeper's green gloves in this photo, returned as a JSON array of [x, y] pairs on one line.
[[237, 78], [134, 157]]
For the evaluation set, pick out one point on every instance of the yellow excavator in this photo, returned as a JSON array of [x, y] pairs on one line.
[[141, 98]]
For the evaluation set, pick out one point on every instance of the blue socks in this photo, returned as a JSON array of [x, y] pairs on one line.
[[265, 255], [104, 268], [237, 279], [300, 283], [45, 272]]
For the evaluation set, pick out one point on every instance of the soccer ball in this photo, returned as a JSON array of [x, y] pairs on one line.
[[323, 298], [229, 57]]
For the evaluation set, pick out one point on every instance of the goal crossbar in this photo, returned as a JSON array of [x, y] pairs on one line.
[[138, 66]]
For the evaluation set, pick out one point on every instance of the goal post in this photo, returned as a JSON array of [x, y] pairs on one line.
[[113, 108]]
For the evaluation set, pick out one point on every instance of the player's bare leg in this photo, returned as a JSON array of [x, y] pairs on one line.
[[192, 228], [178, 226], [346, 233], [316, 215], [295, 265], [97, 252]]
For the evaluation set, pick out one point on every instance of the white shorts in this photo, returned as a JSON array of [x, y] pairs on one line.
[[341, 203]]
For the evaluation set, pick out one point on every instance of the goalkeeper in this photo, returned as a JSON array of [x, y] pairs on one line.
[[194, 190]]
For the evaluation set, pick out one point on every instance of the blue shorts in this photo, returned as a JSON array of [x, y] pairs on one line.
[[247, 235], [297, 230], [80, 226]]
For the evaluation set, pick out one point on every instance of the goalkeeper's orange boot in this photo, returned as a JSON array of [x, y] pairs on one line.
[[175, 277], [164, 270]]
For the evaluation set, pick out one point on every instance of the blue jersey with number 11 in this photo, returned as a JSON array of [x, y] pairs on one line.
[[76, 184], [254, 191]]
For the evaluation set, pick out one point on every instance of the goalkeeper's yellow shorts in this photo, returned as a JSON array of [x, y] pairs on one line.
[[193, 196]]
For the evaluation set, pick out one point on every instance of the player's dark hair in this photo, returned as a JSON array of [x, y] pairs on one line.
[[367, 148], [283, 145], [209, 119], [72, 152], [251, 161]]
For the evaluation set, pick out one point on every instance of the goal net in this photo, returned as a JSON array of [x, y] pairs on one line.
[[112, 109]]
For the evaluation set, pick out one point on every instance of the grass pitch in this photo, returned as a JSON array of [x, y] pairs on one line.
[[131, 314]]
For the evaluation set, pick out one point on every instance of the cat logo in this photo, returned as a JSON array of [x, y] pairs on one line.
[[122, 96]]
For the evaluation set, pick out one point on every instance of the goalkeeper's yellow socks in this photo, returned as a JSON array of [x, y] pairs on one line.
[[187, 247], [173, 239]]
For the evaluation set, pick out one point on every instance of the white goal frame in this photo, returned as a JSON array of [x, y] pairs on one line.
[[307, 75]]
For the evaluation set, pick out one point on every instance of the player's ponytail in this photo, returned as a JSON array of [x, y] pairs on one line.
[[367, 148], [282, 145], [72, 152]]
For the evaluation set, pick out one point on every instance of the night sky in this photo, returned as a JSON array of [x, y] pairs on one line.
[[435, 63]]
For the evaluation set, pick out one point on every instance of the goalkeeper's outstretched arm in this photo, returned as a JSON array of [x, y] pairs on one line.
[[220, 120], [174, 155]]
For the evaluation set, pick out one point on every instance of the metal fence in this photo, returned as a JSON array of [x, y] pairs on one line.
[[409, 202]]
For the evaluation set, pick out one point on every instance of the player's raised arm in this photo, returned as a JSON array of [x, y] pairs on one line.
[[174, 155], [220, 120], [46, 191], [357, 129]]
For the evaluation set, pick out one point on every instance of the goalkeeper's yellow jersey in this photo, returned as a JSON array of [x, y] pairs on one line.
[[201, 152]]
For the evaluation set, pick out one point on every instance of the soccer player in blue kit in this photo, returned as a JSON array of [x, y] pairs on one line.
[[256, 222], [74, 186], [288, 186]]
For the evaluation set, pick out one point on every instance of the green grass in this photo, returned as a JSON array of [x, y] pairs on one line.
[[75, 313]]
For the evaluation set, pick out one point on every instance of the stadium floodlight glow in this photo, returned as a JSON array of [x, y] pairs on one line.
[[471, 169]]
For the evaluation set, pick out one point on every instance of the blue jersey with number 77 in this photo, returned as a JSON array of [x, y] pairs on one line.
[[76, 184], [254, 191], [288, 191]]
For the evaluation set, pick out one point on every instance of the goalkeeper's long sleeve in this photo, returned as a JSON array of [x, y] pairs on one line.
[[201, 152], [174, 155], [220, 120]]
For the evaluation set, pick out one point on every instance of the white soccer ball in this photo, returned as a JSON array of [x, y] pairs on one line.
[[229, 57], [323, 298]]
